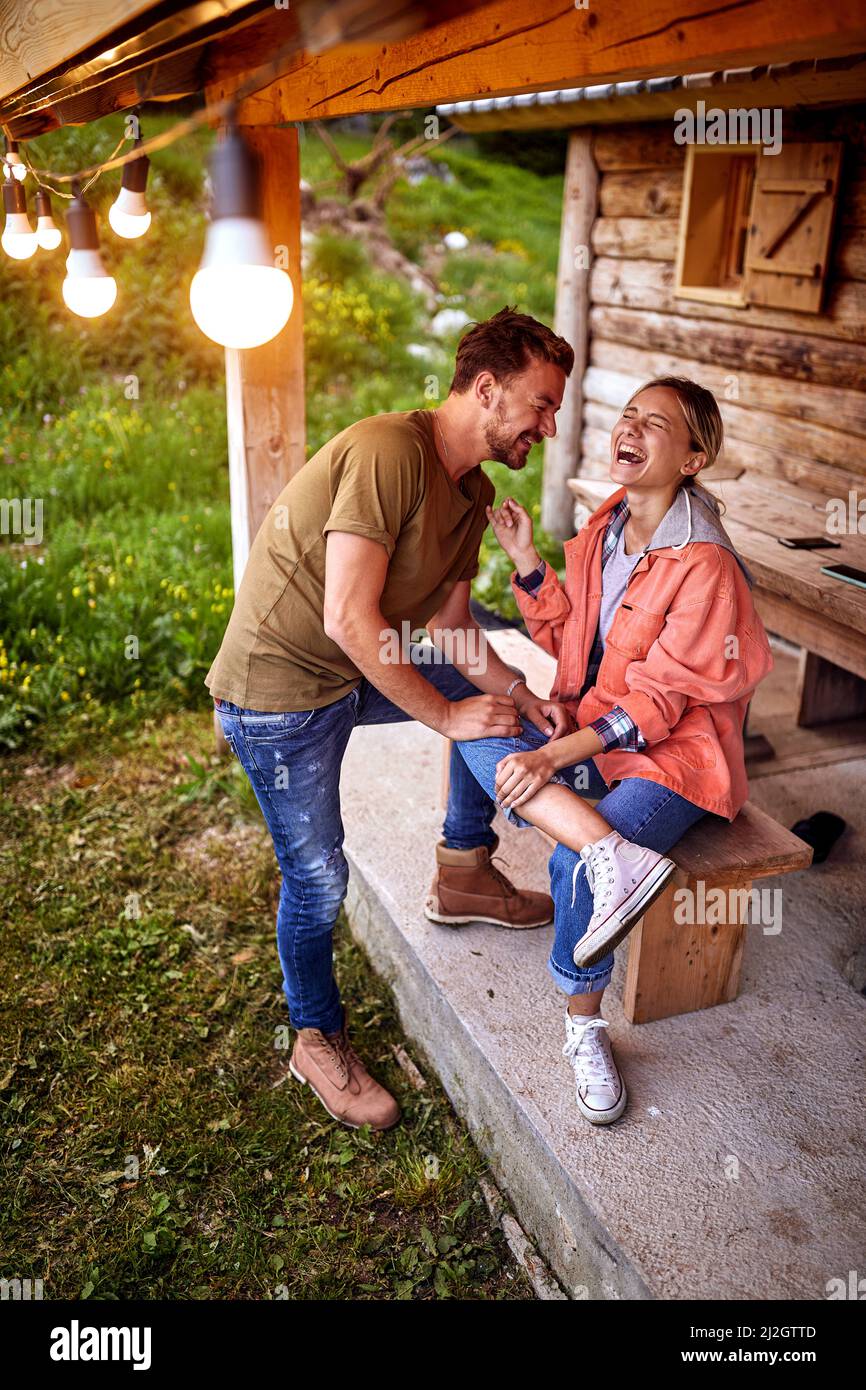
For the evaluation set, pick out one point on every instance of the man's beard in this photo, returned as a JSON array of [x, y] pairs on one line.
[[502, 444]]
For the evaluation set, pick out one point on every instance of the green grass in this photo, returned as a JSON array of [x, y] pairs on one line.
[[153, 1145]]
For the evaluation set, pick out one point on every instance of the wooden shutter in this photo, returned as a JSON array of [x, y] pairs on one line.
[[788, 245]]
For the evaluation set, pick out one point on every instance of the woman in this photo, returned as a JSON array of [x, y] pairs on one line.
[[659, 650]]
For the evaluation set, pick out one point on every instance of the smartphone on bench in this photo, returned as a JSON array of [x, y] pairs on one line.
[[808, 542], [848, 573]]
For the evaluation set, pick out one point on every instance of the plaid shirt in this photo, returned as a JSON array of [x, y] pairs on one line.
[[616, 729]]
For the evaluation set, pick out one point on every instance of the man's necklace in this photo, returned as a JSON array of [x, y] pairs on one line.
[[445, 447]]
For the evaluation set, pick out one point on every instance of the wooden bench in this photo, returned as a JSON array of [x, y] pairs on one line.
[[825, 617], [677, 965]]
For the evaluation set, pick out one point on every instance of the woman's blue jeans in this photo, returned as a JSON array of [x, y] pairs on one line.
[[642, 811], [293, 763]]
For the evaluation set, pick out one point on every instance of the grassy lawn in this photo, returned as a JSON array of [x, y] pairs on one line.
[[154, 1144]]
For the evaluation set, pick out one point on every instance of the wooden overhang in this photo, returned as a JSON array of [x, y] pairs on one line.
[[820, 82], [70, 62]]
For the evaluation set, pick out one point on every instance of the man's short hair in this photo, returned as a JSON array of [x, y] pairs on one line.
[[505, 345]]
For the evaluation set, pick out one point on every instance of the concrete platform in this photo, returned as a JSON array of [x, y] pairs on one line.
[[737, 1171]]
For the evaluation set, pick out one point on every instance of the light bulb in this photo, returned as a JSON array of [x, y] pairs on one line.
[[128, 214], [18, 239], [13, 162], [47, 232], [238, 297], [88, 289]]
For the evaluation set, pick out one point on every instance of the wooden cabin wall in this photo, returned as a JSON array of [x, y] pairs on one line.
[[791, 386]]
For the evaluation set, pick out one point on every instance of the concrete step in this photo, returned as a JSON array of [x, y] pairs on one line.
[[737, 1169]]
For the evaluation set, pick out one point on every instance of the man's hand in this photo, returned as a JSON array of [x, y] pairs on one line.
[[548, 716], [482, 716], [520, 775]]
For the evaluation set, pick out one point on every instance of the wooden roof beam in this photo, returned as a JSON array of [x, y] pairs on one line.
[[513, 46]]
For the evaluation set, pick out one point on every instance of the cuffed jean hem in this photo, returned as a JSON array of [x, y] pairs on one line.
[[580, 981]]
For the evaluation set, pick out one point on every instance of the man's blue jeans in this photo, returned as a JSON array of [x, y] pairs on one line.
[[293, 763], [642, 811]]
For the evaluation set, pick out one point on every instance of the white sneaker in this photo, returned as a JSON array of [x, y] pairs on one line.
[[624, 879], [601, 1093]]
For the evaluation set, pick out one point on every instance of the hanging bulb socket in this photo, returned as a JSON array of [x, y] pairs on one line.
[[135, 172], [14, 198], [47, 232], [235, 178], [81, 223]]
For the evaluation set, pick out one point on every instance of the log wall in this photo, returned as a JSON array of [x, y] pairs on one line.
[[791, 386]]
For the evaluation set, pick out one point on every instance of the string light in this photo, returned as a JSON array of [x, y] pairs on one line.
[[239, 297], [128, 214], [88, 289], [47, 232], [18, 239], [12, 160]]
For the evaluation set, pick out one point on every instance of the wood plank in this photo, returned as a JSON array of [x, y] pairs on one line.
[[823, 405], [652, 238], [179, 50], [753, 845], [514, 46], [850, 259], [828, 692], [852, 211], [738, 345], [44, 34], [265, 386], [638, 147], [658, 192], [819, 633], [796, 574], [676, 968], [580, 204], [648, 284], [643, 193]]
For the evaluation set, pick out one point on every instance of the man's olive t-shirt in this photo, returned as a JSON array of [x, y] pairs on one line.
[[380, 478]]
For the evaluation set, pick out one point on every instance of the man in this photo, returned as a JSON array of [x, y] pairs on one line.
[[379, 534]]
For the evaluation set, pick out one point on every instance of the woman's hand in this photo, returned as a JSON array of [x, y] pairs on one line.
[[512, 527], [520, 775]]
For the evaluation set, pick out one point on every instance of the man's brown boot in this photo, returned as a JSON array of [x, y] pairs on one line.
[[329, 1065], [468, 887]]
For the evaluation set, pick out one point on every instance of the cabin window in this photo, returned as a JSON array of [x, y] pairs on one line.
[[714, 227], [756, 228]]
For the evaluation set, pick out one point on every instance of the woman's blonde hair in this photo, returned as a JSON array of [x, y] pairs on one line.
[[700, 410]]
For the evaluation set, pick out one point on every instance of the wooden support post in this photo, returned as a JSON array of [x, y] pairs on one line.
[[579, 208], [675, 968], [827, 692], [265, 385]]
